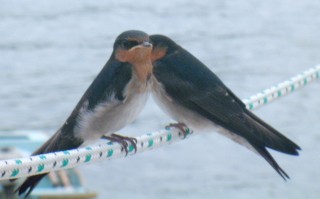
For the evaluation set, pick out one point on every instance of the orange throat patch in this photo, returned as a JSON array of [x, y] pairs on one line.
[[140, 58], [158, 53]]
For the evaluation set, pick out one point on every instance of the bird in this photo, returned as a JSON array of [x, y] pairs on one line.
[[114, 99], [195, 97]]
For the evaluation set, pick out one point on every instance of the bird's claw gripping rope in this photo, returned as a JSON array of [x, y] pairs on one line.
[[123, 141], [182, 127]]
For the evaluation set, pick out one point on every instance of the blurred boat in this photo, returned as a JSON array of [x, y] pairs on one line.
[[64, 184]]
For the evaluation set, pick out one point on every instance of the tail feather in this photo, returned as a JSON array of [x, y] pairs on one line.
[[268, 137], [29, 184], [271, 138], [267, 156], [57, 142]]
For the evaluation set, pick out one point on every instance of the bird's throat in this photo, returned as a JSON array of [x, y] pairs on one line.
[[143, 70]]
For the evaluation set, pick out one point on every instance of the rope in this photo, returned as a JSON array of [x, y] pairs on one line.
[[16, 168], [283, 88]]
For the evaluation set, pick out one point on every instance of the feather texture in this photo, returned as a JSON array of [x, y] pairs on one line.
[[198, 94]]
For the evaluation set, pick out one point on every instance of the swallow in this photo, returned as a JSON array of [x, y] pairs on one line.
[[113, 100], [194, 96]]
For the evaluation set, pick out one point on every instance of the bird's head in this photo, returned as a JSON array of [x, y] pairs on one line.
[[132, 46], [162, 45]]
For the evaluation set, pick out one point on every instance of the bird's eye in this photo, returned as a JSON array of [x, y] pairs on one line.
[[127, 44]]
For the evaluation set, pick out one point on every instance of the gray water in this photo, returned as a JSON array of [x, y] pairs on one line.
[[50, 51]]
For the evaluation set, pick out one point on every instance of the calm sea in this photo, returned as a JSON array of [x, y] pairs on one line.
[[51, 50]]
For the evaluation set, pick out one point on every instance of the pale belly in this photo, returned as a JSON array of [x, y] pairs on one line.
[[176, 111], [111, 116]]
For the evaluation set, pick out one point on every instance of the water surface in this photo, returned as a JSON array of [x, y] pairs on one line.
[[50, 51]]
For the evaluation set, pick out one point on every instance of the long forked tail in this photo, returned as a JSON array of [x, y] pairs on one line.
[[270, 137], [267, 156]]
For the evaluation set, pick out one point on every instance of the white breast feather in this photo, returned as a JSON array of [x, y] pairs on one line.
[[112, 115]]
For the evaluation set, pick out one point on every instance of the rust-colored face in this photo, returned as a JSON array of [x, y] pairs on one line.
[[137, 52], [134, 50], [158, 53]]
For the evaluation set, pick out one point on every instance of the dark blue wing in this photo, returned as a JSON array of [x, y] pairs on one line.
[[111, 80], [191, 84], [108, 85]]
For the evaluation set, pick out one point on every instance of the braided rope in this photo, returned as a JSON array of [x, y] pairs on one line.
[[15, 168], [283, 88]]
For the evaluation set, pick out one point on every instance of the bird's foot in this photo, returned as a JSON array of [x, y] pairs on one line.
[[123, 141], [182, 127]]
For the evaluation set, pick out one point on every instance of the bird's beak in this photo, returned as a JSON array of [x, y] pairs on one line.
[[146, 44]]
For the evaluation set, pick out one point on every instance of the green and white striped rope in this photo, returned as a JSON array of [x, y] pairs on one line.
[[16, 168], [284, 88]]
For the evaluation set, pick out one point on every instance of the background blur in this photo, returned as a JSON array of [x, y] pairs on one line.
[[50, 51]]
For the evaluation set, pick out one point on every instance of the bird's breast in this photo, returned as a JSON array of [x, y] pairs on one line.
[[112, 115], [143, 71], [176, 111]]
